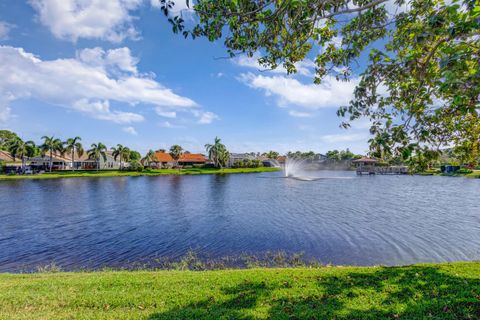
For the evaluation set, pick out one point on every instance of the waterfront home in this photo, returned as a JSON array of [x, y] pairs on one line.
[[271, 163], [240, 157], [162, 160], [66, 162], [6, 156], [189, 159], [165, 160], [59, 162]]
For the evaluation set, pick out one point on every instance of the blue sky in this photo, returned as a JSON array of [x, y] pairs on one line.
[[113, 72]]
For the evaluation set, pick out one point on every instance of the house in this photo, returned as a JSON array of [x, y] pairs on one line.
[[189, 159], [162, 160], [59, 162], [109, 163], [65, 162], [11, 163], [165, 160], [6, 156], [271, 163], [239, 157], [281, 159]]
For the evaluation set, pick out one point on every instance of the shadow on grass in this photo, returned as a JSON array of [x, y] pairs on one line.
[[388, 293]]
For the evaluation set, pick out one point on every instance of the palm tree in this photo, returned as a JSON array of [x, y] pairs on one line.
[[121, 152], [148, 158], [223, 157], [21, 149], [73, 145], [176, 152], [51, 145], [97, 150], [271, 155], [218, 153]]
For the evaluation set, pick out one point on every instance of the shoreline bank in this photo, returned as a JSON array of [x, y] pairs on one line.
[[446, 291], [147, 173]]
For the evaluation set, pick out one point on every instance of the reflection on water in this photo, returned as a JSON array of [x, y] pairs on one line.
[[340, 219]]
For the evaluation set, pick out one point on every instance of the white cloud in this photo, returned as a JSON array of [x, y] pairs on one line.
[[130, 130], [299, 114], [305, 67], [169, 125], [88, 83], [166, 114], [5, 110], [178, 5], [344, 137], [101, 110], [113, 59], [4, 30], [205, 117], [290, 91], [91, 19]]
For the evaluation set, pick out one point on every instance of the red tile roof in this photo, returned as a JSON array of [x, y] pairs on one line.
[[6, 156], [162, 157], [187, 157], [192, 157]]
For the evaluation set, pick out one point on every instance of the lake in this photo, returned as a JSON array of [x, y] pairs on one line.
[[348, 220]]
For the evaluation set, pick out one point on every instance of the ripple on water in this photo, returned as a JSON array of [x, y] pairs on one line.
[[350, 220]]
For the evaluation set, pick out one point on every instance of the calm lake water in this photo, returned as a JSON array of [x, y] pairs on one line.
[[97, 222]]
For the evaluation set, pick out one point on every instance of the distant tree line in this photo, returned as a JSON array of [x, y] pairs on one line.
[[51, 146]]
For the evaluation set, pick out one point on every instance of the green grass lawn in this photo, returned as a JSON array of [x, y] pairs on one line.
[[442, 291], [115, 173], [473, 174]]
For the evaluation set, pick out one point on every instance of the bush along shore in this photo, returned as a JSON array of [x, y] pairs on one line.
[[427, 291], [467, 173], [147, 172]]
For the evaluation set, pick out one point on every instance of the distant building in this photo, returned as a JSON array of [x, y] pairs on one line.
[[271, 163], [66, 162], [6, 156], [189, 159], [237, 157], [365, 165], [162, 160], [281, 159], [165, 160]]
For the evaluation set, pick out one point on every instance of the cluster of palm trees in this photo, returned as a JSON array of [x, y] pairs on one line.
[[52, 146], [218, 153], [175, 152]]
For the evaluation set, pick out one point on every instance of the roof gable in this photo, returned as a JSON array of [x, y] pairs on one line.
[[192, 157]]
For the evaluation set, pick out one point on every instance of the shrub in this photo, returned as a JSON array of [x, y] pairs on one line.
[[200, 166], [463, 171], [135, 166], [2, 166], [247, 163]]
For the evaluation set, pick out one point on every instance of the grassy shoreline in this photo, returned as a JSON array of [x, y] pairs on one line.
[[475, 174], [433, 291], [115, 173]]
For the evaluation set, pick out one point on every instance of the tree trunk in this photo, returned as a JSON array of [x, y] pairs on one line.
[[51, 160], [73, 159]]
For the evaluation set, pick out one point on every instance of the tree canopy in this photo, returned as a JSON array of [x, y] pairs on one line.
[[420, 88], [5, 137]]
